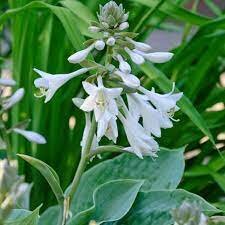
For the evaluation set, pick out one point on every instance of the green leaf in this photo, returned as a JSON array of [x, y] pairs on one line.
[[177, 12], [50, 216], [112, 201], [165, 172], [48, 173], [23, 217], [185, 104], [154, 207]]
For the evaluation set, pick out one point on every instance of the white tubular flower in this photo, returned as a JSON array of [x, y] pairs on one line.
[[86, 132], [31, 136], [102, 101], [124, 26], [81, 55], [141, 143], [94, 29], [111, 41], [124, 66], [139, 45], [12, 100], [156, 57], [49, 84], [136, 58], [100, 45], [129, 79], [7, 82], [165, 104], [140, 107]]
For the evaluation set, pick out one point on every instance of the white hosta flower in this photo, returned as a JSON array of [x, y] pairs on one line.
[[123, 65], [156, 57], [165, 104], [102, 101], [124, 26], [12, 100], [94, 29], [7, 82], [31, 136], [140, 107], [87, 128], [129, 80], [141, 143], [139, 45], [81, 55], [49, 84], [136, 58], [100, 45], [111, 41]]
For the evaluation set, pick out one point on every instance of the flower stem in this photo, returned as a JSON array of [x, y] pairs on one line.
[[83, 162]]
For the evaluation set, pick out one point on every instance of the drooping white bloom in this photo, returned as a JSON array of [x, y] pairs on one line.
[[94, 29], [31, 136], [111, 41], [81, 55], [140, 142], [165, 104], [7, 82], [124, 26], [156, 57], [129, 80], [12, 100], [136, 58], [139, 45], [102, 101], [140, 107], [100, 45], [87, 128], [49, 83], [123, 65]]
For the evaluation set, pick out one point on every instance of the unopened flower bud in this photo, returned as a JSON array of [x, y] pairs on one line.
[[7, 82], [105, 25], [123, 26], [100, 45], [135, 57], [124, 66], [139, 45], [111, 41], [94, 29]]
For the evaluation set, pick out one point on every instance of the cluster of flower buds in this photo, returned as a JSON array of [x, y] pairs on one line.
[[7, 101], [189, 214], [144, 113], [14, 192]]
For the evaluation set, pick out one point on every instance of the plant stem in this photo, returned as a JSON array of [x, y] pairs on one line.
[[83, 161]]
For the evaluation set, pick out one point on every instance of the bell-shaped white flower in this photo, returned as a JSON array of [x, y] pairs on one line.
[[151, 118], [164, 103], [123, 65], [102, 101], [140, 142], [124, 26], [129, 80], [49, 84], [31, 136], [87, 128], [111, 41], [81, 55], [156, 57], [12, 100], [7, 82], [99, 45], [139, 45], [136, 58]]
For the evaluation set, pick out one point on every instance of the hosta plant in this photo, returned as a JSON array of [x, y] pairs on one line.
[[123, 118]]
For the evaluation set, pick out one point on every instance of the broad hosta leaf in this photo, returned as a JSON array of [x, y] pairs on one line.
[[48, 173], [185, 104], [23, 217], [112, 201], [165, 172], [50, 216], [154, 207]]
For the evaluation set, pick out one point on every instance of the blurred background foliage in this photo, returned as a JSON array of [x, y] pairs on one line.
[[42, 34]]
